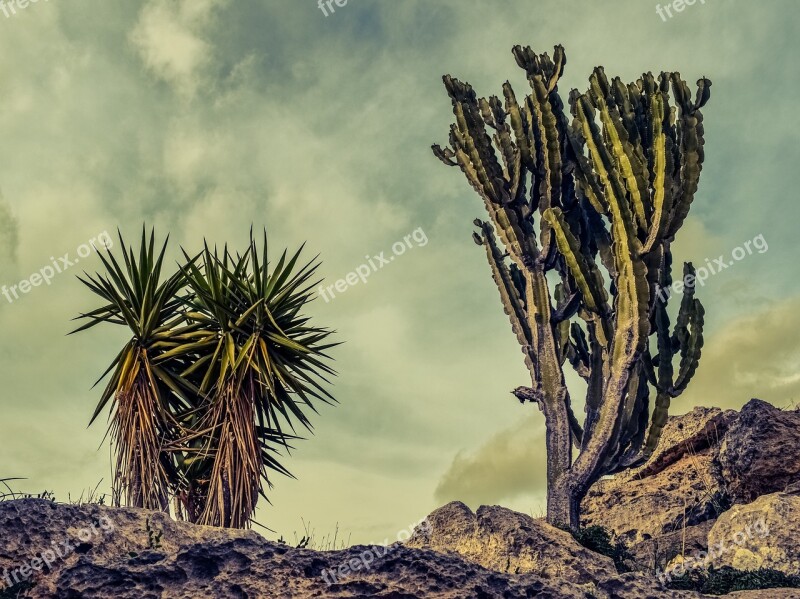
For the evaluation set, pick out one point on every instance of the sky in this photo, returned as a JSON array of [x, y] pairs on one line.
[[204, 117]]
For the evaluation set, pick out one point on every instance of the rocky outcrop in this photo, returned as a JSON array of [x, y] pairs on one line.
[[706, 460], [701, 497], [506, 541], [761, 452], [761, 534], [129, 553], [678, 486]]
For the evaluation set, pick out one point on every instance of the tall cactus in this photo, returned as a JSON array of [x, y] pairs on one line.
[[597, 200]]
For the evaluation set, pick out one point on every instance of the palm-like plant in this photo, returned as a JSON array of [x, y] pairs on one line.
[[259, 368], [220, 362], [148, 398]]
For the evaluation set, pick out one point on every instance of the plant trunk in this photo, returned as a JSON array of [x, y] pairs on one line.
[[563, 504]]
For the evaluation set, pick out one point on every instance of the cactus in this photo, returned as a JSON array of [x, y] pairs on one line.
[[596, 200]]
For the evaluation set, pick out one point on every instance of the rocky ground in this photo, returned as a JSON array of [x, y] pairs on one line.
[[714, 475], [720, 481]]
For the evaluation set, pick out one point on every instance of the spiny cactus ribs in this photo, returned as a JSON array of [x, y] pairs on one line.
[[600, 196]]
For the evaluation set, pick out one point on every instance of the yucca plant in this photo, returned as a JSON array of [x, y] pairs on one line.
[[149, 398], [219, 369], [257, 371]]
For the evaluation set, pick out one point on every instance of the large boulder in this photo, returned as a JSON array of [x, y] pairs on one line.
[[507, 541], [761, 534], [760, 454], [705, 461]]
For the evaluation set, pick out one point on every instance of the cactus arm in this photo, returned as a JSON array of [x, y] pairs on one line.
[[642, 417], [574, 427], [664, 379], [446, 155], [691, 146], [602, 240], [491, 111], [560, 60], [594, 384], [662, 202], [518, 125], [657, 423], [471, 173], [512, 302], [511, 159], [585, 176], [681, 335], [633, 423], [549, 149], [580, 346], [628, 162], [475, 147], [690, 355], [690, 351], [586, 273]]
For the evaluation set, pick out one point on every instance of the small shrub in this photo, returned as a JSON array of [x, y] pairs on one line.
[[727, 580], [17, 590], [153, 536], [598, 539]]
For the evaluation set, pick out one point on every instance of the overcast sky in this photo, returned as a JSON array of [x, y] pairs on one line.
[[202, 117]]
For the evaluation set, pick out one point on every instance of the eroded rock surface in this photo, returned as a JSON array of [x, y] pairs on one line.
[[714, 474], [680, 485], [761, 534], [143, 555], [507, 541], [706, 461], [761, 452]]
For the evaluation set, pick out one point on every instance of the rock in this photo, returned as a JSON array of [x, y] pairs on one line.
[[761, 534], [130, 553], [706, 460], [678, 503], [760, 454], [680, 484], [696, 430], [506, 541], [656, 553]]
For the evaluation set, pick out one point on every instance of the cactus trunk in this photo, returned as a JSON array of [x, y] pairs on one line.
[[563, 504]]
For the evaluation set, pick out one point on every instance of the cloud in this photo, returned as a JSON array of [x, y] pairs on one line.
[[168, 36], [754, 355], [510, 464]]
